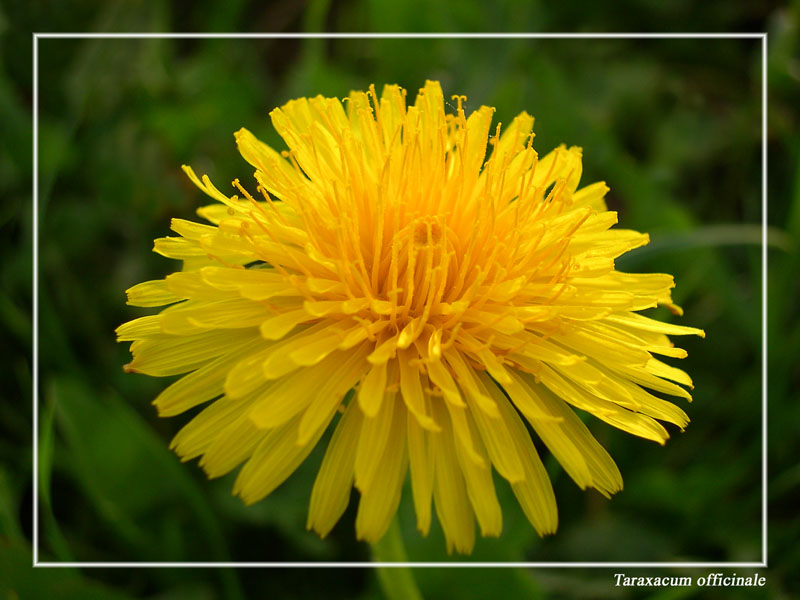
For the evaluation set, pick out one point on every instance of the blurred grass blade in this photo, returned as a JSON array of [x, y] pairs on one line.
[[714, 236], [711, 236], [52, 530], [46, 434], [9, 526]]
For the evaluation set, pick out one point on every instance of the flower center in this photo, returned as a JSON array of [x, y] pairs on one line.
[[427, 232]]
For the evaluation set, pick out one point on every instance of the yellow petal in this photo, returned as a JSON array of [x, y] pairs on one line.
[[163, 355], [656, 407], [379, 500], [534, 492], [565, 435], [494, 434], [477, 474], [179, 248], [331, 492], [233, 445], [420, 455], [660, 369], [204, 384], [592, 196], [198, 435], [194, 316], [411, 390], [253, 284], [327, 382], [440, 376], [139, 329], [275, 458], [372, 390], [190, 284], [267, 160], [469, 384], [152, 293], [467, 439], [304, 346], [561, 163], [274, 328], [635, 321], [450, 493], [635, 423], [374, 437], [317, 348], [287, 397], [330, 393]]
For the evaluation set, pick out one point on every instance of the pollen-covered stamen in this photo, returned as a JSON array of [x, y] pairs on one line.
[[258, 211], [353, 254], [427, 242]]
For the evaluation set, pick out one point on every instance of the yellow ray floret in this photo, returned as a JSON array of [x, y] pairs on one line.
[[386, 270]]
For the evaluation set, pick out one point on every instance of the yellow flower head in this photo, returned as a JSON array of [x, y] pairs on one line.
[[458, 297]]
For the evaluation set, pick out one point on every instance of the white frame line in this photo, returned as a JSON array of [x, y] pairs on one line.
[[460, 565], [35, 274], [764, 299], [549, 565], [361, 35]]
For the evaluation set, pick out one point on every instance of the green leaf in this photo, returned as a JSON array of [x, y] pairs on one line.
[[20, 580], [133, 481]]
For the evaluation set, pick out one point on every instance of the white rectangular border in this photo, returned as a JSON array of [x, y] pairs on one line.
[[590, 565]]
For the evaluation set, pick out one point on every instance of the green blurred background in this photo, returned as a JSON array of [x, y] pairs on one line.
[[673, 127]]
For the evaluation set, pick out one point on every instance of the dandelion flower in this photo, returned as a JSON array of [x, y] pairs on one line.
[[460, 299]]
